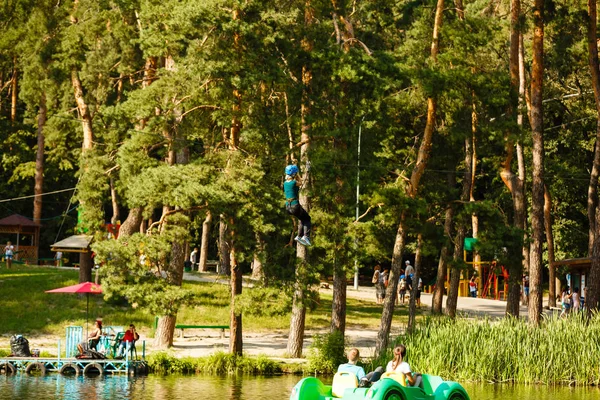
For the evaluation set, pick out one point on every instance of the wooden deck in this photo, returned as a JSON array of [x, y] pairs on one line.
[[71, 366]]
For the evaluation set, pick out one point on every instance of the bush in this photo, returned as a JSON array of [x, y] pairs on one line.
[[326, 353], [217, 363]]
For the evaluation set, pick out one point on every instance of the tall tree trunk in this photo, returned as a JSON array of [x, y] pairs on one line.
[[14, 93], [514, 183], [235, 336], [550, 244], [474, 216], [593, 294], [85, 267], [39, 161], [412, 303], [257, 264], [162, 338], [114, 202], [84, 112], [461, 229], [537, 190], [442, 272], [297, 323], [338, 306], [179, 246], [520, 155], [412, 189], [132, 223], [224, 248], [452, 300], [204, 243], [88, 140]]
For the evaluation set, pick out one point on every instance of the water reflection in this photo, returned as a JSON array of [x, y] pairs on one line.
[[199, 387]]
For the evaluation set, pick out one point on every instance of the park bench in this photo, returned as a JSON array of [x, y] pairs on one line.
[[212, 264], [181, 328]]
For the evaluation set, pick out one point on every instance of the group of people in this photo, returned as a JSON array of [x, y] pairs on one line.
[[127, 342], [571, 301], [405, 284], [397, 364]]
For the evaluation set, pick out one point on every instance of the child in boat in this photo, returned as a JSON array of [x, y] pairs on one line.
[[398, 364], [350, 366], [291, 188]]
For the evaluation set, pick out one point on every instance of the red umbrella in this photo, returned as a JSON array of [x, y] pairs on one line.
[[85, 287]]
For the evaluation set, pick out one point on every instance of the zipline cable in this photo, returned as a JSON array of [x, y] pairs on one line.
[[36, 195]]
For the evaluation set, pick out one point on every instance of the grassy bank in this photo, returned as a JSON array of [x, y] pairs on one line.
[[27, 310], [218, 363], [562, 351]]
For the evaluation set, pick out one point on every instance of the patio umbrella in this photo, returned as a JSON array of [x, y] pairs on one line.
[[85, 287]]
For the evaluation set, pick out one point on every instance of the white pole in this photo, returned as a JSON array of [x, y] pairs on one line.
[[357, 200]]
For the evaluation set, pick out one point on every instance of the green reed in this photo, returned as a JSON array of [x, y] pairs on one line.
[[560, 351]]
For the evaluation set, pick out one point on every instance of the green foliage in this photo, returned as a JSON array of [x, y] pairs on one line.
[[326, 353], [507, 350], [219, 363], [264, 301], [138, 268]]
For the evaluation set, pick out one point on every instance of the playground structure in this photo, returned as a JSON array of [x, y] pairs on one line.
[[492, 280]]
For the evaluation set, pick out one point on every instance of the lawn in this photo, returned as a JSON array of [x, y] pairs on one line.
[[26, 309]]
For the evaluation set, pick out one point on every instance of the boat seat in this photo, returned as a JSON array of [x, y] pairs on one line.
[[343, 381], [395, 375]]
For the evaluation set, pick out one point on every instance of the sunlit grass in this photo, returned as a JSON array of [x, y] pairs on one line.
[[26, 309]]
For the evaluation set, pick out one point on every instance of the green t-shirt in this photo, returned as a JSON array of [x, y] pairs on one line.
[[291, 192]]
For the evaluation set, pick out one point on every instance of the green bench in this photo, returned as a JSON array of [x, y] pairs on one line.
[[181, 328]]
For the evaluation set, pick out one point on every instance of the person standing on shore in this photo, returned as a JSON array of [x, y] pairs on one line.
[[194, 258]]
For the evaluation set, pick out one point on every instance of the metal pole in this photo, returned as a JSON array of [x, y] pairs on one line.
[[357, 200]]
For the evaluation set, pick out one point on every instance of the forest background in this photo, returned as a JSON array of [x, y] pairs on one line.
[[456, 119]]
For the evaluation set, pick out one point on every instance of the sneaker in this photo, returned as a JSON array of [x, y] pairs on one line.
[[305, 241], [300, 240]]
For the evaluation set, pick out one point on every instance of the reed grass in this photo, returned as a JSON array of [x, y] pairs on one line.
[[560, 351]]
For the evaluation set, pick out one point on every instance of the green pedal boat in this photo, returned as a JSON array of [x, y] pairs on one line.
[[391, 386]]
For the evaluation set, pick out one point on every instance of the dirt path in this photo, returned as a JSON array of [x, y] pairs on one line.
[[275, 344]]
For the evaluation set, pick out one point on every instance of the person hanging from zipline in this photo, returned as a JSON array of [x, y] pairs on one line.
[[291, 189]]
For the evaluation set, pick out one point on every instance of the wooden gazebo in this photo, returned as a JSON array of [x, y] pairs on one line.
[[27, 235], [579, 269]]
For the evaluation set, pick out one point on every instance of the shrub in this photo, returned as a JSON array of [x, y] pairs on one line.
[[326, 353], [217, 363]]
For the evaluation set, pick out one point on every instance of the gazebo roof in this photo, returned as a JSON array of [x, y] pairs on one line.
[[74, 244], [17, 220]]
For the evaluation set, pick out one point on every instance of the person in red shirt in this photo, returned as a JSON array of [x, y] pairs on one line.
[[128, 340]]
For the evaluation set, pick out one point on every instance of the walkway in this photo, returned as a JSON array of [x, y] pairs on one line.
[[275, 344]]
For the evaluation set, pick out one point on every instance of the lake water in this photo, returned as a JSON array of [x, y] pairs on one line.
[[203, 387]]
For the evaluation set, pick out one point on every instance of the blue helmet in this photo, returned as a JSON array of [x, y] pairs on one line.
[[402, 276], [291, 170]]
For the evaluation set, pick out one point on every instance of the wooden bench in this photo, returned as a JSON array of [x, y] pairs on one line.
[[221, 327], [212, 264]]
